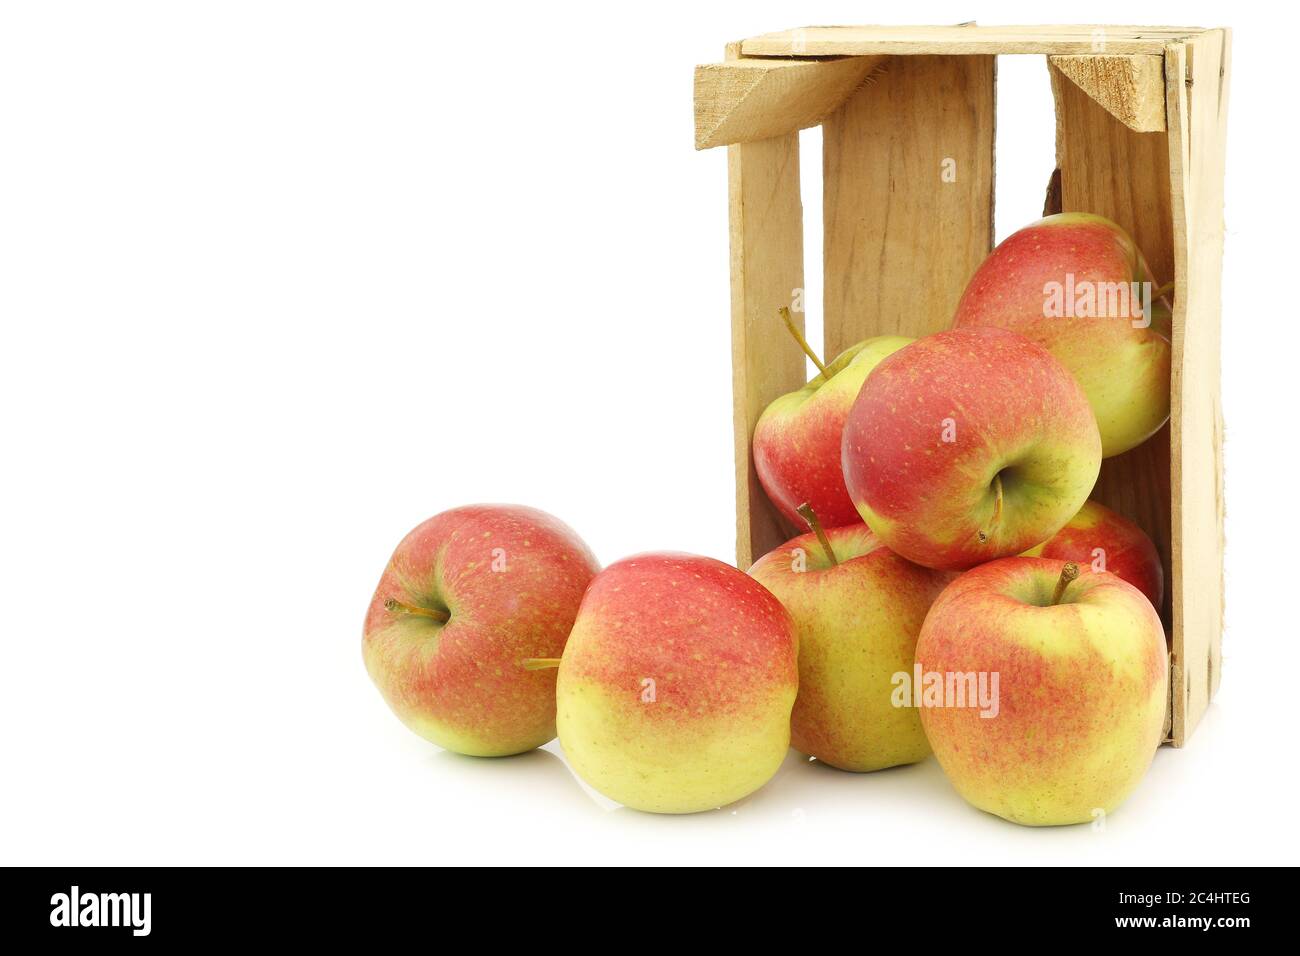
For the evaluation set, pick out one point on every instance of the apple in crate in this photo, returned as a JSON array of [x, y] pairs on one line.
[[1074, 284], [1098, 539], [675, 688], [969, 445], [1082, 683], [796, 442], [467, 597], [858, 608]]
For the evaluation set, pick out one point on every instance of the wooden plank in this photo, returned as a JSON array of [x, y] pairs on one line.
[[1131, 88], [922, 40], [741, 101], [766, 215], [908, 166], [1114, 171], [1197, 90]]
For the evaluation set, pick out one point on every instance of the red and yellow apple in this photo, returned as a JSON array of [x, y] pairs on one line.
[[676, 684], [1074, 284], [858, 608], [1082, 684], [797, 438], [969, 445], [466, 598], [1098, 539]]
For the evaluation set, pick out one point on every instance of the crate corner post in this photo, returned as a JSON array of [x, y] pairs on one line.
[[1197, 71], [766, 226]]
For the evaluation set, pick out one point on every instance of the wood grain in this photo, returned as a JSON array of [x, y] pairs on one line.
[[766, 268], [1197, 89], [1131, 88], [908, 196], [741, 101], [921, 40]]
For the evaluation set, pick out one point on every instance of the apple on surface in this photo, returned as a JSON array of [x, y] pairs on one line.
[[675, 687], [969, 445], [796, 444], [466, 598], [1082, 679], [1098, 539], [858, 609], [1073, 283]]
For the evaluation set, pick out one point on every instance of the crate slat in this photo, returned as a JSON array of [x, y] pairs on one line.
[[766, 268], [1197, 90], [908, 197], [921, 40]]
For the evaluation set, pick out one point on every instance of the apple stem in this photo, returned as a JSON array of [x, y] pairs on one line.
[[810, 516], [798, 337], [396, 606], [1068, 574], [539, 663], [1163, 291]]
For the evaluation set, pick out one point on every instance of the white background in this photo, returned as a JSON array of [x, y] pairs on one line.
[[280, 280]]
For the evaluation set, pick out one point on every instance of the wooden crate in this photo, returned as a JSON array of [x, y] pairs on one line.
[[1140, 124]]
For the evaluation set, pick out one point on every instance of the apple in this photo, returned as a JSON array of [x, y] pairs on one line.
[[467, 597], [1082, 684], [969, 445], [858, 609], [1098, 539], [1073, 283], [796, 444], [676, 685]]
